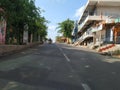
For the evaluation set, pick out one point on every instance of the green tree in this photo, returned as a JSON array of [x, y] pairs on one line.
[[42, 28], [19, 13], [66, 27]]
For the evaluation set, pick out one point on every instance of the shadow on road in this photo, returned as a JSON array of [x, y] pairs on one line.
[[35, 77], [98, 71]]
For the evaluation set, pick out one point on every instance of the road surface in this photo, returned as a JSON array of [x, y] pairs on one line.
[[59, 67]]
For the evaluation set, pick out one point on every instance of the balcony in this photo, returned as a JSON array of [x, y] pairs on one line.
[[86, 35], [89, 20]]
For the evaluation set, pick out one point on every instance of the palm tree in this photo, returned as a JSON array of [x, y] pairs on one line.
[[65, 28]]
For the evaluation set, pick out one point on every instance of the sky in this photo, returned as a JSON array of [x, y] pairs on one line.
[[56, 11]]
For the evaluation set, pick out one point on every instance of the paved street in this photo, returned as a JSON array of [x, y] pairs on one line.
[[59, 67]]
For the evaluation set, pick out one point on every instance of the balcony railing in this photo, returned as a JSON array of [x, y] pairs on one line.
[[91, 18], [87, 34]]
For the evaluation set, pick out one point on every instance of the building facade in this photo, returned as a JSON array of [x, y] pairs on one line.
[[97, 23]]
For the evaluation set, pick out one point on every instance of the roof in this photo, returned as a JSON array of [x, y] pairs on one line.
[[92, 4], [105, 2]]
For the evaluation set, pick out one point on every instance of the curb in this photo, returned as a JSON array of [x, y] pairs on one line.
[[16, 48]]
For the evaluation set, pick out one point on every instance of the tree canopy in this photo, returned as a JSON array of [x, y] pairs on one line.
[[66, 27], [19, 13]]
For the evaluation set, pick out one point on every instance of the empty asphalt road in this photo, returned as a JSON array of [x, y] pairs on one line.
[[59, 67]]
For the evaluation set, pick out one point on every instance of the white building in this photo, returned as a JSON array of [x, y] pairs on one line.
[[97, 21]]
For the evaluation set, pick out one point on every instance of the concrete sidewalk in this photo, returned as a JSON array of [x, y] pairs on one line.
[[10, 49], [93, 50]]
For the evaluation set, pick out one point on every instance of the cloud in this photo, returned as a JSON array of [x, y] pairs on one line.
[[79, 11], [51, 27]]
